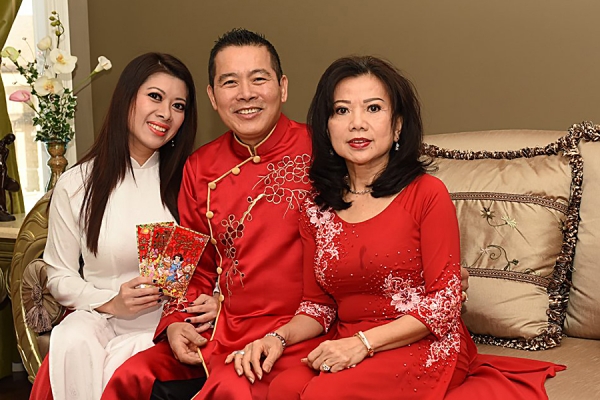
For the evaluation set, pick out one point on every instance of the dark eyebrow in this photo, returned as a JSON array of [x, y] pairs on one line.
[[164, 93], [341, 101], [224, 77], [373, 99], [260, 71], [157, 88]]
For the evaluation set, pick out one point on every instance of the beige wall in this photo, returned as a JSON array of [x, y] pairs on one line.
[[484, 64]]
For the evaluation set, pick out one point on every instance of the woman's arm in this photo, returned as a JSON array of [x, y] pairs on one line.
[[63, 248]]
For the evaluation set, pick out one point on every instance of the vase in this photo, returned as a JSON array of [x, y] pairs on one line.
[[57, 162]]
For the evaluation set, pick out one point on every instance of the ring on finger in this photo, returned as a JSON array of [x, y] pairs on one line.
[[240, 352], [325, 367]]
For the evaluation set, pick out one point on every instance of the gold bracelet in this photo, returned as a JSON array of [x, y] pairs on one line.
[[364, 341]]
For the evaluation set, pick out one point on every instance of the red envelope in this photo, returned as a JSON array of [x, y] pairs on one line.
[[152, 240], [178, 261]]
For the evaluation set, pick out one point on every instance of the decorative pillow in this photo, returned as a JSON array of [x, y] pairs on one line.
[[42, 312], [518, 211], [583, 312]]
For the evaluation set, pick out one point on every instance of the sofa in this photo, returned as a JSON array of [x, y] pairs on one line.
[[529, 215], [530, 237]]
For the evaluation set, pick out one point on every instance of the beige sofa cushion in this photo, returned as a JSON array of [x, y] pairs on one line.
[[583, 313], [518, 218]]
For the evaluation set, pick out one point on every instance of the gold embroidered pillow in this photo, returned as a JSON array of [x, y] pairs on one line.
[[517, 200]]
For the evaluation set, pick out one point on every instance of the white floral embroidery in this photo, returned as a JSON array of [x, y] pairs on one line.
[[440, 311], [443, 349], [287, 170], [322, 313], [326, 233], [405, 295]]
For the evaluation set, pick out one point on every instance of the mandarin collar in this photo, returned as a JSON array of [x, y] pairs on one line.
[[266, 145], [151, 162]]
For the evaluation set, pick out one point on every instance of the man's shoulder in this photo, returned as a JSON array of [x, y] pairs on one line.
[[298, 127], [211, 149]]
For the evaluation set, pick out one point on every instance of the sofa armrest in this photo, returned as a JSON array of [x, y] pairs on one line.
[[3, 286], [29, 245], [42, 311]]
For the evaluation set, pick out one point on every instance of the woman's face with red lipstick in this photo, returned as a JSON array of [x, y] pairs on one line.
[[156, 115], [361, 125]]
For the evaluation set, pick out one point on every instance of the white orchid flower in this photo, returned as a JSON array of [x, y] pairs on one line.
[[45, 43], [104, 64], [10, 52], [45, 86], [62, 62]]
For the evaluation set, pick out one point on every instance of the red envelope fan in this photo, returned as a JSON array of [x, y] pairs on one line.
[[159, 237], [179, 260]]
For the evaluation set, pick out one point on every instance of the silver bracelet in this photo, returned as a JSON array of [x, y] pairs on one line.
[[278, 336]]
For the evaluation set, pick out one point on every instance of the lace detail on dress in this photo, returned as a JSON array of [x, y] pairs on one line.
[[405, 294], [439, 310], [325, 315], [326, 239]]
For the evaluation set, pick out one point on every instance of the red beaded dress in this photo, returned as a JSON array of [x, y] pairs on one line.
[[403, 261]]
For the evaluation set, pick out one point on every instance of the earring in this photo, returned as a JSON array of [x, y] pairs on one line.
[[397, 147], [172, 142], [331, 152]]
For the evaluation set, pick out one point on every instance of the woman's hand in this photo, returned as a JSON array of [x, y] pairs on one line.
[[336, 355], [247, 361], [132, 298], [185, 342], [206, 307]]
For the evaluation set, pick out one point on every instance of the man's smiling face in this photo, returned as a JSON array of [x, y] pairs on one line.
[[246, 93]]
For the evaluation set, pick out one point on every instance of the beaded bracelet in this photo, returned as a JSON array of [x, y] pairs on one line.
[[278, 336], [364, 341]]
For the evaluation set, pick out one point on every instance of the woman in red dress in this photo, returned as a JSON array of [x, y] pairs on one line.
[[382, 261]]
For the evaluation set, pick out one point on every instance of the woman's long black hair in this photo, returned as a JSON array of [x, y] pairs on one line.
[[109, 156], [328, 171]]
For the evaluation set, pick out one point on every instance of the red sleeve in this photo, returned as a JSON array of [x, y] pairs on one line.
[[191, 216], [439, 307], [315, 302]]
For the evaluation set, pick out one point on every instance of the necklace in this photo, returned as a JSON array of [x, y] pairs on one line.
[[359, 192]]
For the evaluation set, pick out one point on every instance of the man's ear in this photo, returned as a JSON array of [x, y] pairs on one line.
[[283, 85], [211, 97]]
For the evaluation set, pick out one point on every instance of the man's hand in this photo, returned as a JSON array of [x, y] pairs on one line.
[[206, 307], [132, 298], [185, 342]]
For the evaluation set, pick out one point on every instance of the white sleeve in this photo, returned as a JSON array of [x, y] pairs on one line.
[[63, 249]]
